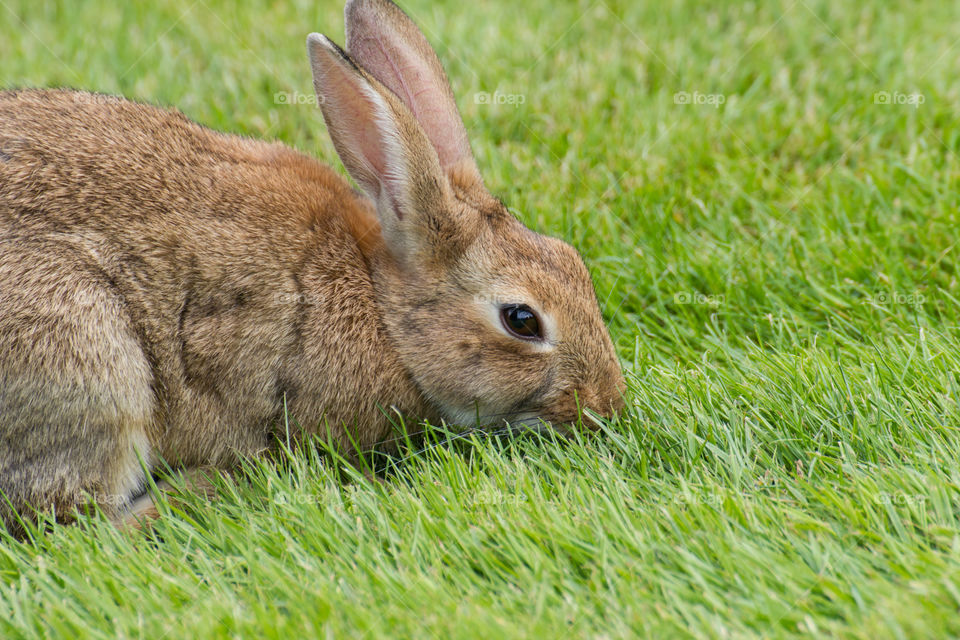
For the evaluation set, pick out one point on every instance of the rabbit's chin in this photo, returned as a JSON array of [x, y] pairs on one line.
[[535, 423], [525, 422]]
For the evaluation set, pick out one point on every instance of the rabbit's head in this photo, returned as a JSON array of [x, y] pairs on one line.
[[493, 321]]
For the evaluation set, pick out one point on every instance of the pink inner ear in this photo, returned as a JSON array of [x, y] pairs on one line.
[[356, 115], [402, 70], [358, 133]]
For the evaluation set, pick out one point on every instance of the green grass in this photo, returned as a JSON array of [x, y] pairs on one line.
[[779, 274]]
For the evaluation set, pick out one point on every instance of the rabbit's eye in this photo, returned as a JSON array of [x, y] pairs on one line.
[[521, 321]]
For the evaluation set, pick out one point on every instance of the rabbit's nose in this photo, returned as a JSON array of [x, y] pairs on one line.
[[609, 405], [618, 403], [603, 404], [616, 389], [605, 396]]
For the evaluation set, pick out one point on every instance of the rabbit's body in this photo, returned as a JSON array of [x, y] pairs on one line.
[[168, 292], [181, 284]]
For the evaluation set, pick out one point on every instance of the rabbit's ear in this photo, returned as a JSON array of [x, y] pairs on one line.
[[388, 45], [385, 151]]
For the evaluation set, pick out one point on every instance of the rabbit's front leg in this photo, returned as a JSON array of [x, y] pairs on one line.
[[143, 509]]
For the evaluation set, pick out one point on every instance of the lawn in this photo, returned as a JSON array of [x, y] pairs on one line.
[[766, 196]]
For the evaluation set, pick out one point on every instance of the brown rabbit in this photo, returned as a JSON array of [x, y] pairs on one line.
[[167, 292]]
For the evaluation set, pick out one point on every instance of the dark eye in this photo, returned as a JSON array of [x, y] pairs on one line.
[[521, 321]]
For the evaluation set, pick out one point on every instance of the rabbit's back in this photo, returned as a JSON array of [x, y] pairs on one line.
[[80, 160]]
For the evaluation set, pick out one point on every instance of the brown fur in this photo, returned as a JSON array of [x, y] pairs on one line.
[[166, 290]]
